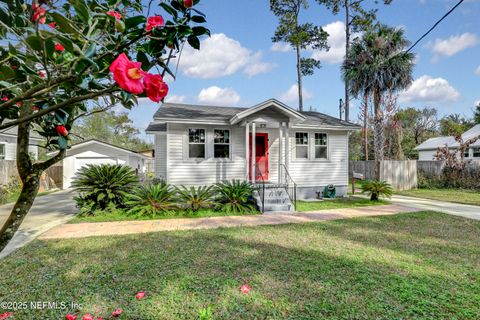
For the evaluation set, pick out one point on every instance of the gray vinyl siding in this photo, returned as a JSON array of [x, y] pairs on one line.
[[161, 156], [313, 172]]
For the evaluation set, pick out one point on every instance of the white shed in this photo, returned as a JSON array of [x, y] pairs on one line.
[[98, 152]]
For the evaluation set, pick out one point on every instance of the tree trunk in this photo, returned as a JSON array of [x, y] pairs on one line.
[[365, 125], [347, 50], [379, 134], [299, 75]]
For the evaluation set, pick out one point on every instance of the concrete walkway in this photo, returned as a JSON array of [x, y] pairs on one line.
[[463, 210], [47, 212], [81, 230]]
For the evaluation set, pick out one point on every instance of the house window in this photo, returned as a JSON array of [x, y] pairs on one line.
[[2, 152], [301, 145], [321, 148], [476, 152], [221, 143], [196, 143], [466, 154]]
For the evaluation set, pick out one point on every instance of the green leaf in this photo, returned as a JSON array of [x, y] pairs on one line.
[[142, 57], [194, 42], [198, 19], [169, 9], [50, 47], [200, 31], [91, 51], [82, 10], [67, 43], [133, 22], [35, 42], [63, 24], [6, 72], [62, 143], [12, 49]]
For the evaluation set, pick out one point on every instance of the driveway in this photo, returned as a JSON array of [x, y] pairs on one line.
[[47, 212], [463, 210]]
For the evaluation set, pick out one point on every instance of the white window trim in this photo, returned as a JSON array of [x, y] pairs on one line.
[[189, 143], [229, 144], [328, 147], [295, 146], [473, 152]]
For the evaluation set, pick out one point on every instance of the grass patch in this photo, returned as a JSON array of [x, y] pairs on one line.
[[451, 195], [338, 203], [408, 266], [122, 215]]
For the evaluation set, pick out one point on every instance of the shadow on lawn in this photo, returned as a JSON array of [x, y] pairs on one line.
[[310, 271]]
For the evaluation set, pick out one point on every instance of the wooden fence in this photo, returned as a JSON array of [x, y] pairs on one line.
[[402, 175], [52, 178], [430, 168]]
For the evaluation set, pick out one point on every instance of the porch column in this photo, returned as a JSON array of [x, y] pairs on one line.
[[253, 172], [247, 151], [280, 151], [287, 145]]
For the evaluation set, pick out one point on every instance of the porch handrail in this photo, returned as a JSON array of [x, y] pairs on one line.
[[289, 184], [259, 173]]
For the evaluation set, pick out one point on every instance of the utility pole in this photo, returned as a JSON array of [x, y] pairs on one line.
[[340, 108], [347, 50]]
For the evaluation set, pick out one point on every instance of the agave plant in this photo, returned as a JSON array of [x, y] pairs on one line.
[[152, 200], [376, 189], [102, 185], [196, 198], [234, 196]]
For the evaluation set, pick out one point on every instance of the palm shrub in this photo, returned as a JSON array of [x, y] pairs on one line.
[[102, 185], [195, 198], [153, 199], [234, 196], [376, 189]]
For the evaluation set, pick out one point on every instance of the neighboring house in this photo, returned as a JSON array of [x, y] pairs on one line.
[[428, 149], [98, 152], [150, 162], [201, 145], [8, 144]]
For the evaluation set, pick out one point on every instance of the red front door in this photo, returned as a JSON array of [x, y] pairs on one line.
[[261, 156]]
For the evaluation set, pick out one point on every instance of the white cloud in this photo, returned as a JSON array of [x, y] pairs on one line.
[[291, 95], [280, 47], [222, 56], [453, 45], [428, 89], [477, 71], [219, 96], [337, 43], [175, 98]]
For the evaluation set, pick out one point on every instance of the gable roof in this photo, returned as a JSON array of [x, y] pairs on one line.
[[12, 131], [434, 143], [74, 147], [189, 113]]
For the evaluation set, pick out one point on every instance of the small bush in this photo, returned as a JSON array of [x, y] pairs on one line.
[[452, 178], [195, 198], [153, 199], [102, 185], [376, 189], [234, 196]]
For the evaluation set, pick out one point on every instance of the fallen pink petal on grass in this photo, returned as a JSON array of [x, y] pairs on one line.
[[140, 295], [245, 288], [117, 312]]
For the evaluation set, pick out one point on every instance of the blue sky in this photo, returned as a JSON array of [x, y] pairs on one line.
[[237, 66]]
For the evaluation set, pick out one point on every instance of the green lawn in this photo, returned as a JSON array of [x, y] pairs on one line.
[[452, 195], [408, 266], [349, 202], [121, 215]]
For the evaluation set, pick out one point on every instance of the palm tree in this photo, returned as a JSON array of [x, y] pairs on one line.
[[378, 63]]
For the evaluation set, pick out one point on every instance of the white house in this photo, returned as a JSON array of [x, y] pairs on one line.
[[8, 144], [98, 152], [428, 149], [201, 145]]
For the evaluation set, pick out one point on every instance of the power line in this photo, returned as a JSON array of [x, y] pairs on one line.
[[435, 25]]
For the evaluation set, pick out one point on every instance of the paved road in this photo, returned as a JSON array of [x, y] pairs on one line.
[[463, 210], [47, 212]]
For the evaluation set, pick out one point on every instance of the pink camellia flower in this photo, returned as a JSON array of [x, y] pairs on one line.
[[41, 74], [115, 14], [59, 47], [188, 3], [127, 74], [140, 295], [62, 131], [71, 316], [245, 288], [52, 25], [154, 22], [6, 315], [117, 312], [38, 13], [87, 317], [4, 98], [155, 88]]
